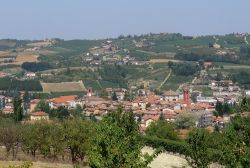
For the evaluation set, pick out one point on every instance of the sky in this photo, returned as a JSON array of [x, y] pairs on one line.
[[93, 19]]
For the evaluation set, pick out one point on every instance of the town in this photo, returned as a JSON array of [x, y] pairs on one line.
[[66, 101], [145, 104]]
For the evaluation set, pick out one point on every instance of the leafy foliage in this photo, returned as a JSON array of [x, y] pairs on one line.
[[162, 129], [35, 66], [116, 143], [185, 121], [185, 69], [199, 149], [18, 109], [7, 83], [214, 58]]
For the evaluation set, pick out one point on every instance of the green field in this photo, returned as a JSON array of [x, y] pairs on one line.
[[174, 82]]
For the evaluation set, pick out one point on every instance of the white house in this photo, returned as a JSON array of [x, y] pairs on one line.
[[36, 116], [30, 75], [171, 96]]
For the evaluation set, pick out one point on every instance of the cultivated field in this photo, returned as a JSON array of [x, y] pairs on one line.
[[21, 58], [169, 54], [162, 60], [5, 164], [5, 53], [63, 87]]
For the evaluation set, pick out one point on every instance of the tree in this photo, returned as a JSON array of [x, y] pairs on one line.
[[68, 71], [170, 64], [60, 113], [30, 136], [198, 149], [26, 97], [44, 139], [219, 108], [185, 121], [219, 76], [76, 136], [227, 108], [148, 105], [47, 138], [236, 143], [222, 109], [57, 141], [114, 97], [10, 138], [43, 106], [128, 96], [18, 109], [26, 100], [116, 143], [245, 104], [35, 66], [77, 111], [162, 117], [162, 129]]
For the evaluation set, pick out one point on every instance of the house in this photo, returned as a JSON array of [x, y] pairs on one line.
[[247, 93], [226, 82], [2, 102], [214, 83], [206, 119], [8, 110], [171, 96], [30, 75], [3, 74], [201, 99], [33, 104], [62, 101], [147, 120], [208, 65], [92, 100], [38, 116], [75, 103], [216, 46]]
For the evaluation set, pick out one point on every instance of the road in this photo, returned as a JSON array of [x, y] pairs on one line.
[[165, 80]]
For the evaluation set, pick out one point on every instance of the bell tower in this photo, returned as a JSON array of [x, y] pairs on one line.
[[186, 96], [89, 92]]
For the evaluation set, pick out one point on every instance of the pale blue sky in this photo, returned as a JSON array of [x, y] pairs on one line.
[[71, 19]]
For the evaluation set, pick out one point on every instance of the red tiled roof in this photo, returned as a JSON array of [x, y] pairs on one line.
[[35, 101], [39, 113], [155, 118], [226, 81], [63, 99]]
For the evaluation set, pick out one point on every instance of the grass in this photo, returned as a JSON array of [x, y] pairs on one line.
[[206, 91], [174, 82], [93, 84]]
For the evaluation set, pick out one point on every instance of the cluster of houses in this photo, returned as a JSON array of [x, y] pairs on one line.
[[146, 105], [226, 91], [109, 53]]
